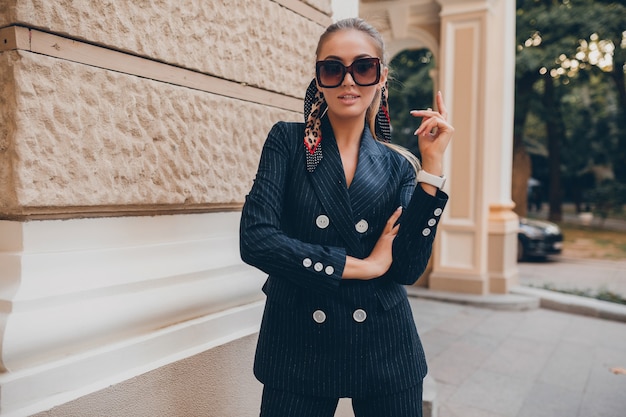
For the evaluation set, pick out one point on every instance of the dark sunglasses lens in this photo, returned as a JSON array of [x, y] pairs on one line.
[[366, 71], [330, 73]]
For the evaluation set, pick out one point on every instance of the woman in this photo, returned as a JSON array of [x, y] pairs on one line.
[[339, 225]]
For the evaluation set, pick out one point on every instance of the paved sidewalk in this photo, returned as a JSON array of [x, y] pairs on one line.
[[531, 363], [501, 356], [506, 356]]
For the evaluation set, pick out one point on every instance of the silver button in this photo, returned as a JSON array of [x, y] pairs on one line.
[[359, 315], [329, 270], [438, 212], [307, 262], [322, 221], [362, 226], [318, 266], [426, 232], [432, 222], [319, 316]]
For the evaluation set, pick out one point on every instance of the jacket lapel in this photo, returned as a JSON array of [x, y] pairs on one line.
[[329, 182], [368, 182]]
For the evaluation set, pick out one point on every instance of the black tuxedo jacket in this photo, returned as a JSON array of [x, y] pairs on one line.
[[321, 335]]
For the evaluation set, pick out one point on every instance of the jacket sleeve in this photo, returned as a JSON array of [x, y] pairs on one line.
[[413, 245], [263, 244]]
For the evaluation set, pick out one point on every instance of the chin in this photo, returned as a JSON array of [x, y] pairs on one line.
[[348, 113]]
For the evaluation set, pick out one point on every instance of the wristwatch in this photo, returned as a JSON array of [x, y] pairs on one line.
[[428, 178]]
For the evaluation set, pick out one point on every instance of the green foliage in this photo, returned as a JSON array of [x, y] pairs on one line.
[[602, 294], [410, 88], [589, 101], [607, 198]]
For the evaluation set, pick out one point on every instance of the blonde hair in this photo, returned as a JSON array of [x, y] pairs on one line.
[[361, 25]]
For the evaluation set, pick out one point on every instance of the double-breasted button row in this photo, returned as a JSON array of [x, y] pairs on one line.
[[359, 315], [318, 266], [432, 222], [322, 221]]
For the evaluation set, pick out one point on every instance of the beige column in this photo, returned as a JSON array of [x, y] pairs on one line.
[[499, 108], [476, 246]]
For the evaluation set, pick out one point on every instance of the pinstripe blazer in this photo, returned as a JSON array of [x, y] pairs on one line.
[[321, 335]]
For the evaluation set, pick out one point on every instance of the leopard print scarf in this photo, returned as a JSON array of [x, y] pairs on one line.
[[315, 108]]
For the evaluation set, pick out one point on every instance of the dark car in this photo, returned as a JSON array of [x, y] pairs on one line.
[[538, 239]]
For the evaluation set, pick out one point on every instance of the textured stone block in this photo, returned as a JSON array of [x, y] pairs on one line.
[[83, 136], [258, 42]]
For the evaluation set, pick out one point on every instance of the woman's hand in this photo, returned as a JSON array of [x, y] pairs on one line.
[[433, 136], [379, 261]]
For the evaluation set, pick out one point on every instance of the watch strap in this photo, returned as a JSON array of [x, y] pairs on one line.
[[428, 178]]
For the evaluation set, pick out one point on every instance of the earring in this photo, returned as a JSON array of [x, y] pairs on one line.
[[383, 121]]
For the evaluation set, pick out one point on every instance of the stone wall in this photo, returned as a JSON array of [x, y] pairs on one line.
[[130, 132], [78, 139]]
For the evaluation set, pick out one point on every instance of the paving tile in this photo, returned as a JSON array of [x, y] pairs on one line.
[[500, 325], [568, 366], [520, 357], [461, 359], [436, 341], [594, 332], [544, 326], [461, 323], [492, 392], [445, 391], [547, 400], [605, 392], [429, 315], [465, 411]]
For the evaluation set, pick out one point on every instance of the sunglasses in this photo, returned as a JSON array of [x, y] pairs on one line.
[[364, 72]]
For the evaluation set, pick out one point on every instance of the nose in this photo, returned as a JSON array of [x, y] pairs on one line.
[[348, 81]]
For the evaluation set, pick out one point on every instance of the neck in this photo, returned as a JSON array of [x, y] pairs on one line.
[[347, 132]]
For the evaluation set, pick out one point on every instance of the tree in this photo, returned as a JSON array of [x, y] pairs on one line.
[[551, 35]]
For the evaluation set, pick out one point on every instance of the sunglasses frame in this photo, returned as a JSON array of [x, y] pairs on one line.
[[346, 70]]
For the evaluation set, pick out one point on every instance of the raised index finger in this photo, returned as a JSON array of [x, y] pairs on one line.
[[441, 106]]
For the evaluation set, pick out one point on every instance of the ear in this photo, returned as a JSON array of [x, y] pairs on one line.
[[383, 77]]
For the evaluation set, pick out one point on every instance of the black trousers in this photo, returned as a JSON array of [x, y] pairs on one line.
[[276, 403]]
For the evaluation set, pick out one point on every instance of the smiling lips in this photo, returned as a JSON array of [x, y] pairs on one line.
[[348, 97]]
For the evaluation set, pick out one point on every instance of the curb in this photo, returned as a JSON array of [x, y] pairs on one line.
[[527, 298], [574, 304], [515, 302]]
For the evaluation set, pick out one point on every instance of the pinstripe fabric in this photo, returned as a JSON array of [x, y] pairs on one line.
[[407, 403], [276, 403], [281, 234]]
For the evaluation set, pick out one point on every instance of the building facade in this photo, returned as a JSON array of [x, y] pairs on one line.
[[129, 135]]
